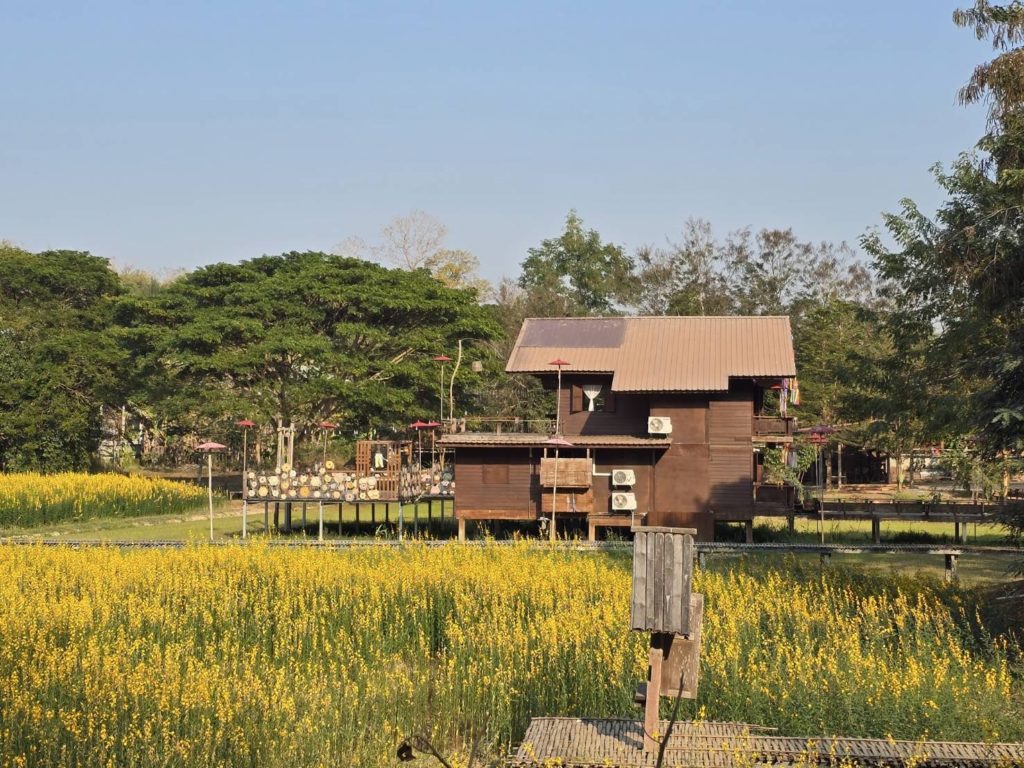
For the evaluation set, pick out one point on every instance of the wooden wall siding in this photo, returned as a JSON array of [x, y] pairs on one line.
[[628, 418], [475, 498], [732, 482], [567, 501], [681, 484], [730, 421], [688, 413], [640, 461], [662, 577]]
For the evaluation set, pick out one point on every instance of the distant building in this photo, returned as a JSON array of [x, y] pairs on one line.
[[675, 402]]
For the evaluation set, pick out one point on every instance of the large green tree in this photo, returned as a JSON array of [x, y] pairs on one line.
[[302, 337], [962, 272], [60, 360], [689, 277], [577, 273]]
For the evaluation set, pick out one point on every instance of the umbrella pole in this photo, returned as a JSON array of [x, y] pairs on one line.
[[209, 488]]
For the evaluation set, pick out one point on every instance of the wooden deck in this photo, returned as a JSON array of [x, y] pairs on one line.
[[586, 743]]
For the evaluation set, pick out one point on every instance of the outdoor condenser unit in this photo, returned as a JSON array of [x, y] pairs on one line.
[[623, 477], [623, 501], [659, 425]]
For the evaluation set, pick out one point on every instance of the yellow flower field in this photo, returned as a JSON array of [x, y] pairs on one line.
[[259, 656], [29, 498]]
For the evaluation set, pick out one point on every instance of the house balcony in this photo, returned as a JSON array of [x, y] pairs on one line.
[[774, 429]]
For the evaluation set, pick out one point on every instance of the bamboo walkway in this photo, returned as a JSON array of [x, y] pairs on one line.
[[588, 743]]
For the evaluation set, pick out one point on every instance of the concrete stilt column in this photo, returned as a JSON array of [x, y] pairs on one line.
[[462, 529], [748, 529], [591, 532], [876, 530]]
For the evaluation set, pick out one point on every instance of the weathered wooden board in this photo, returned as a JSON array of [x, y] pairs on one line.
[[682, 655], [662, 579], [569, 501], [566, 473]]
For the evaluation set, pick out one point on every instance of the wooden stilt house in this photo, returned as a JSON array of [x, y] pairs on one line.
[[665, 416]]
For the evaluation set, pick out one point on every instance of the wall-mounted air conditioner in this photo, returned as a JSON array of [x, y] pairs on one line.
[[659, 425], [623, 477], [623, 501]]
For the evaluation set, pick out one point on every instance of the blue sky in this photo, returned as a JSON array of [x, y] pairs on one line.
[[168, 135]]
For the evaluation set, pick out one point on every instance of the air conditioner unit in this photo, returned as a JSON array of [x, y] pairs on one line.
[[623, 477], [623, 501], [659, 425]]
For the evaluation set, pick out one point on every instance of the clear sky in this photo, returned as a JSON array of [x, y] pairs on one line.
[[166, 135]]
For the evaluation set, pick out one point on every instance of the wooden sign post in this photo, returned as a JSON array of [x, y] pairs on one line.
[[664, 605]]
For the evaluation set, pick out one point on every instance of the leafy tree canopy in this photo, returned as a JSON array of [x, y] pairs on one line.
[[303, 337], [576, 273], [59, 361], [961, 273]]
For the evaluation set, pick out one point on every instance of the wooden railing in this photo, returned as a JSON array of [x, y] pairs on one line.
[[781, 496], [773, 426]]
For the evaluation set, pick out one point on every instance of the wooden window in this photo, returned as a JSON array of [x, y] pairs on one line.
[[495, 473], [576, 398]]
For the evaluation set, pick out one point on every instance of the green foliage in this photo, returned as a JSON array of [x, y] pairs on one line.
[[303, 337], [778, 471], [963, 271], [576, 273], [834, 341], [59, 359]]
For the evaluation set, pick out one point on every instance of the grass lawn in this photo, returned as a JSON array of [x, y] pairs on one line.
[[859, 531], [227, 524]]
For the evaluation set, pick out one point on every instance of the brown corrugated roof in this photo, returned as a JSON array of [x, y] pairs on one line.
[[659, 354], [536, 440]]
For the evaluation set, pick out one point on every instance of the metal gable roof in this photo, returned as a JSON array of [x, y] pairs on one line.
[[659, 354]]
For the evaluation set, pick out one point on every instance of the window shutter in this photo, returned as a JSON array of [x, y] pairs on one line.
[[609, 401], [575, 398]]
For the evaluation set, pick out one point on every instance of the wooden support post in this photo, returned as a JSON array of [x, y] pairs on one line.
[[373, 512], [462, 529], [653, 703], [960, 532], [245, 515], [266, 517], [303, 517], [748, 531], [791, 522], [591, 531], [951, 574], [277, 516], [288, 516], [876, 530], [320, 533]]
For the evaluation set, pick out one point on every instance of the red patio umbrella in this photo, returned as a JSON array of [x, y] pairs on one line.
[[419, 425]]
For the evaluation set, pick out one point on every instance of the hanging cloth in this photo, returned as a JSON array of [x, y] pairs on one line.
[[794, 392]]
